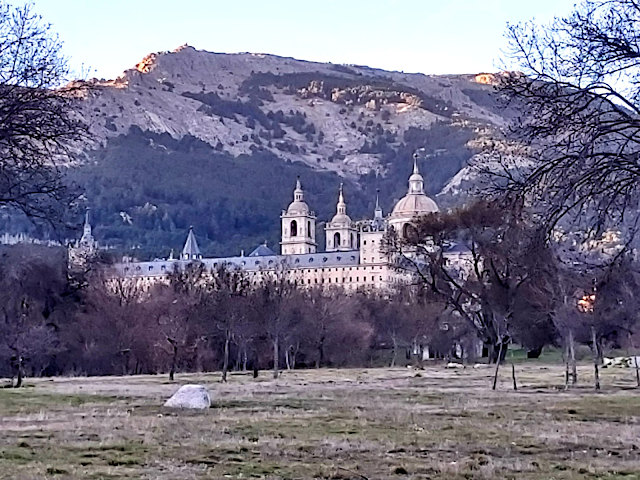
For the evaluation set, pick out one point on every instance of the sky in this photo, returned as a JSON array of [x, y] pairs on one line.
[[106, 37]]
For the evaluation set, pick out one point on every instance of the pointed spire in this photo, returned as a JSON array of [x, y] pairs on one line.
[[191, 250], [416, 182], [87, 237], [378, 210], [298, 193], [342, 206]]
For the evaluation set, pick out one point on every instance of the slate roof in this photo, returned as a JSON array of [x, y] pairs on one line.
[[191, 246], [262, 251], [257, 263]]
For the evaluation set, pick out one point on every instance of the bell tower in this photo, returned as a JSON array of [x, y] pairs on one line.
[[341, 233], [298, 226]]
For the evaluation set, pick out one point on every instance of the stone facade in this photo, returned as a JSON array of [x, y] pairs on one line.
[[353, 259]]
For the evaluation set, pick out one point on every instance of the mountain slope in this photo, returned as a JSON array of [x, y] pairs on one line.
[[216, 141]]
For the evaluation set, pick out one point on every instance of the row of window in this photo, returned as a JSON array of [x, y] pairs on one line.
[[344, 280]]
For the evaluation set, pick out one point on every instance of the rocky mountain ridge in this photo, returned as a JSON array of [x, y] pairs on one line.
[[319, 114], [215, 140]]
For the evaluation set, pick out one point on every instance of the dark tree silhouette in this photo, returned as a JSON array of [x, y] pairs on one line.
[[579, 99], [38, 122]]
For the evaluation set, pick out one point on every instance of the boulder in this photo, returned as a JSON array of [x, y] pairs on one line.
[[190, 396]]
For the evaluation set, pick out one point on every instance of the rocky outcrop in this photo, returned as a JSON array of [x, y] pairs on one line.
[[243, 103], [190, 396]]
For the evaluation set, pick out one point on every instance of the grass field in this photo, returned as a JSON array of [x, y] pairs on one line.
[[331, 424]]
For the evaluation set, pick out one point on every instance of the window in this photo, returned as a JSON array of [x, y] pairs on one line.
[[297, 260], [324, 259], [150, 267], [352, 242], [310, 259], [338, 258], [163, 268], [309, 281], [365, 242], [294, 228], [257, 262], [344, 279], [336, 239], [309, 229]]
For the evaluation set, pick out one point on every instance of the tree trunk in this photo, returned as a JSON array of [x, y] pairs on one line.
[[287, 358], [20, 367], [320, 359], [174, 361], [495, 375], [572, 351], [596, 359], [513, 376], [635, 360], [276, 356], [225, 362], [244, 359], [395, 350], [567, 356]]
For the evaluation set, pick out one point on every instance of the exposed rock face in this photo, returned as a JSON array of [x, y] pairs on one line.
[[190, 396], [223, 99]]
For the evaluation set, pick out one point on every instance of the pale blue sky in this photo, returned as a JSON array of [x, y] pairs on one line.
[[428, 36]]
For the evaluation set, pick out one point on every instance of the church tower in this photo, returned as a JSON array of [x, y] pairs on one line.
[[341, 233], [191, 251], [298, 226], [84, 249]]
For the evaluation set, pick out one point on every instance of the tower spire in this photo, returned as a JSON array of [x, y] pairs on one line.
[[416, 182], [342, 206], [298, 193], [191, 250], [378, 210]]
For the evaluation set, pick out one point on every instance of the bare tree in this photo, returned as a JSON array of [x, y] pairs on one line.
[[275, 297], [39, 126], [578, 100]]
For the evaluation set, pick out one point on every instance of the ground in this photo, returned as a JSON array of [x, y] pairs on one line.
[[332, 424]]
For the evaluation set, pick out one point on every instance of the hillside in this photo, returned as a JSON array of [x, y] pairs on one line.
[[216, 140]]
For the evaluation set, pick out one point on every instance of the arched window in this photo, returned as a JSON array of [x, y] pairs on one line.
[[409, 231], [336, 239], [352, 242], [308, 229], [294, 228]]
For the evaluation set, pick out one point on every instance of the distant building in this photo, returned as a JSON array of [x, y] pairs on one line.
[[84, 249], [353, 256]]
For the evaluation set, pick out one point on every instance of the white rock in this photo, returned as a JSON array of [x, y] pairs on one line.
[[453, 365], [190, 396]]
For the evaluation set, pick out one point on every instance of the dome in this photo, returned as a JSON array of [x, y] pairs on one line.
[[298, 206], [415, 202], [412, 205], [341, 218]]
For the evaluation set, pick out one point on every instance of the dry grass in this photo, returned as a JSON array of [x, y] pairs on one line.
[[333, 424]]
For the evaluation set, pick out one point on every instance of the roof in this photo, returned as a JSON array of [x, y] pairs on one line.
[[414, 204], [262, 251], [191, 245], [307, 260]]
